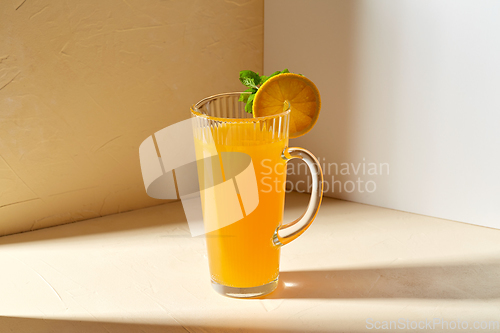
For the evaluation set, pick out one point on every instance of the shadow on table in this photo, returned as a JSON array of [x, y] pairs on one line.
[[467, 281], [150, 217], [36, 325]]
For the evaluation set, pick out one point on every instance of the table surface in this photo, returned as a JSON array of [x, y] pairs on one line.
[[356, 267]]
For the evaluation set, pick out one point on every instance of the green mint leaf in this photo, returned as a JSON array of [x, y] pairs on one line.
[[249, 105], [253, 81], [274, 74], [250, 79], [248, 82], [244, 97]]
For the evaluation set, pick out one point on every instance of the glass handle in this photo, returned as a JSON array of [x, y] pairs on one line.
[[286, 233]]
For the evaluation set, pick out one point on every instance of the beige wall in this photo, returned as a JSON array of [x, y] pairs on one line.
[[83, 83]]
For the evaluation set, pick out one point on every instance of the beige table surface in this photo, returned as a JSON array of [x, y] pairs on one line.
[[141, 271]]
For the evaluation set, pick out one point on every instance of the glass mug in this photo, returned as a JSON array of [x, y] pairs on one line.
[[244, 256]]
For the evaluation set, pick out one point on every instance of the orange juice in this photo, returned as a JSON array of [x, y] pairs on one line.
[[242, 254]]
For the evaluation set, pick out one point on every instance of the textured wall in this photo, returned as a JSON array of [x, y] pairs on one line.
[[83, 83]]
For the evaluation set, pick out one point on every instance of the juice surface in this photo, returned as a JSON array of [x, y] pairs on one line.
[[242, 254]]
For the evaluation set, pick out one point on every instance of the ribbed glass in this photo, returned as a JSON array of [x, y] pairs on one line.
[[244, 255], [225, 117]]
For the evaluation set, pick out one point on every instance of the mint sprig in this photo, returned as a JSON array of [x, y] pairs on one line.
[[253, 81], [250, 79]]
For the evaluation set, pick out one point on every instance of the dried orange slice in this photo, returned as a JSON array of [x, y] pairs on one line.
[[299, 91]]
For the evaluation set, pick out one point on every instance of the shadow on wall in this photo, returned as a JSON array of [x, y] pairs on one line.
[[465, 281], [333, 70]]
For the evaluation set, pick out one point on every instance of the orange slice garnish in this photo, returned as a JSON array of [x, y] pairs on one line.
[[301, 94]]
